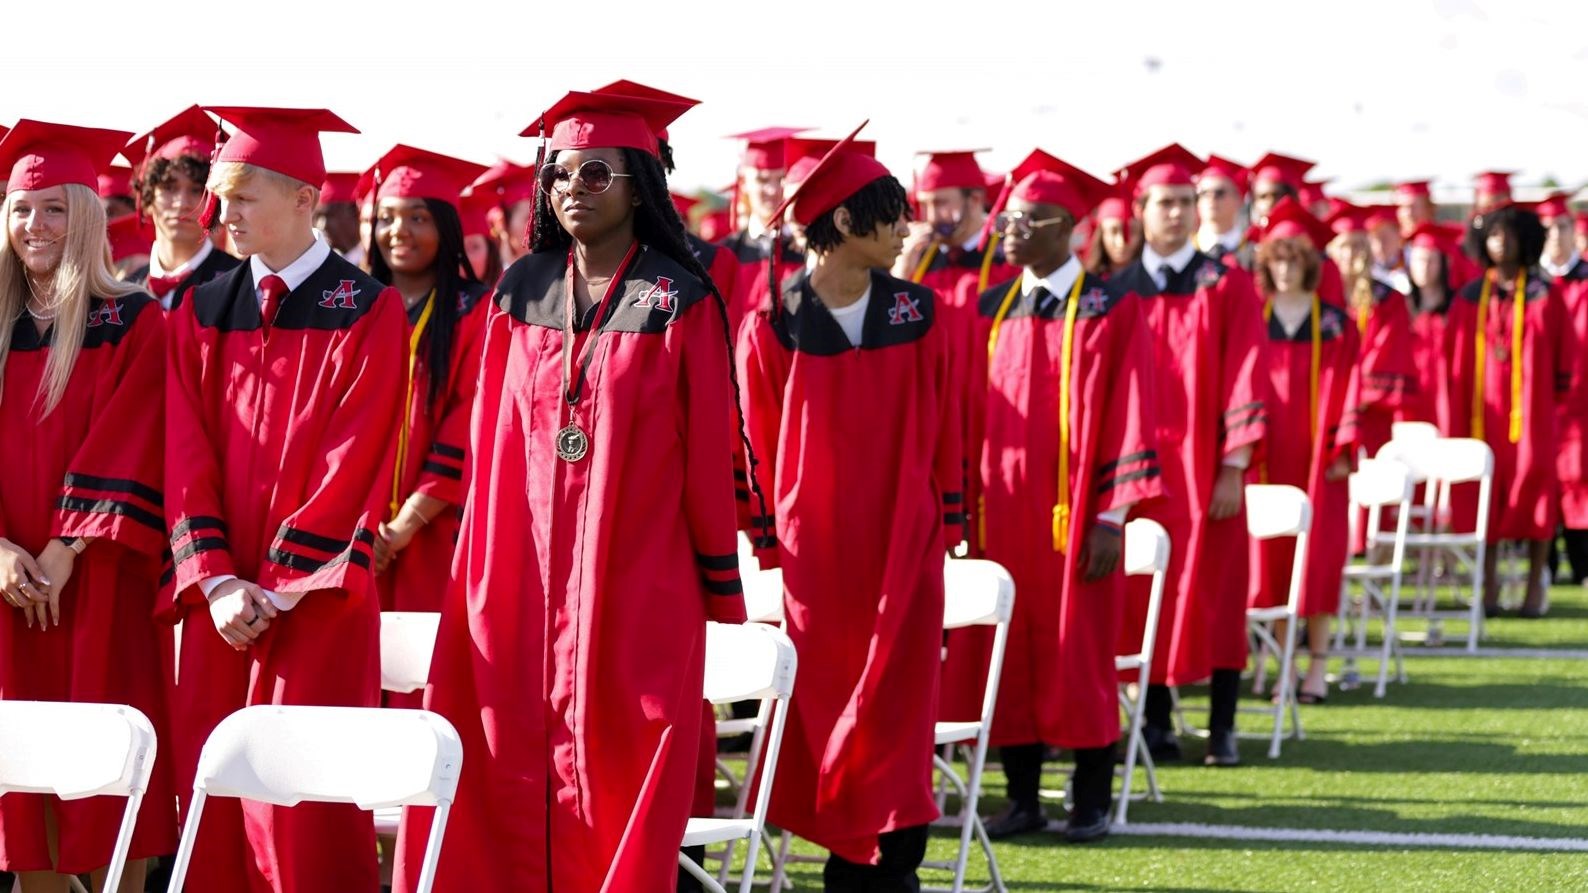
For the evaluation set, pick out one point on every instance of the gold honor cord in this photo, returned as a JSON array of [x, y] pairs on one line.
[[1518, 318], [926, 261], [987, 262], [408, 401]]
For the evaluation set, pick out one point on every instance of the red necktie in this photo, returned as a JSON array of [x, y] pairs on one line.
[[274, 289], [160, 286]]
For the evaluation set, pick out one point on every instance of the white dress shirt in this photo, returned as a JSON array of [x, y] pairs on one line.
[[206, 247], [1178, 261]]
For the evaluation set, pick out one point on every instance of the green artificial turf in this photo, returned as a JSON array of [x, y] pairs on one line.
[[1495, 746]]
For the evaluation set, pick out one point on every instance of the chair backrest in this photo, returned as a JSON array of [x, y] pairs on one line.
[[748, 563], [74, 750], [1455, 460], [748, 662], [1411, 453], [1274, 510], [407, 639], [976, 593], [1146, 547], [1380, 482], [1413, 432], [763, 594], [373, 757]]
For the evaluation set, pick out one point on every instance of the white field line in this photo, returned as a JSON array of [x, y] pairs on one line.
[[1516, 653], [1359, 838]]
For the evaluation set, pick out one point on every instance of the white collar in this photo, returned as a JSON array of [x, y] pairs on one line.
[[206, 247], [1058, 283], [1178, 261], [1561, 270], [1230, 239], [297, 272]]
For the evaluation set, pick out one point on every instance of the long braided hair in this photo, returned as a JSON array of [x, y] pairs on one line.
[[452, 271], [658, 226]]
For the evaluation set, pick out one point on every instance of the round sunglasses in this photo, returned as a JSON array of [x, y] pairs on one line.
[[595, 174]]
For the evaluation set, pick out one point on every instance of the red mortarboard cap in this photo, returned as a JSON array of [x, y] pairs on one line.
[[339, 187], [507, 183], [630, 88], [473, 212], [1117, 205], [1580, 222], [113, 181], [406, 172], [286, 141], [1344, 217], [764, 148], [1289, 220], [1553, 206], [129, 235], [838, 175], [1493, 182], [1312, 192], [1413, 188], [802, 153], [995, 182], [1172, 165], [39, 155], [1437, 236], [954, 169], [582, 120], [1045, 179], [191, 132], [1229, 170], [1285, 169], [1375, 216]]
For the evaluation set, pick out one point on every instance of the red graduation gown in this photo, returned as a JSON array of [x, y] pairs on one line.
[[956, 274], [1058, 686], [860, 454], [1387, 379], [1571, 450], [438, 440], [1206, 330], [1299, 449], [89, 468], [1524, 503], [278, 467], [572, 641], [1431, 359]]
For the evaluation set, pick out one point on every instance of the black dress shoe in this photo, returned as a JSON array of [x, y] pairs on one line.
[[1492, 611], [1221, 749], [1016, 820], [1161, 743], [1086, 826]]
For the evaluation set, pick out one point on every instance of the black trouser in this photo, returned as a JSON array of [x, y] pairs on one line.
[[1224, 690], [688, 883], [1159, 707], [1576, 553], [1094, 776], [901, 854]]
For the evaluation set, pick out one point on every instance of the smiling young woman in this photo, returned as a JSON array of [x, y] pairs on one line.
[[80, 526], [600, 535]]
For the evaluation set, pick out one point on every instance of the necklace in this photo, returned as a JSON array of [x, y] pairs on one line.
[[572, 442]]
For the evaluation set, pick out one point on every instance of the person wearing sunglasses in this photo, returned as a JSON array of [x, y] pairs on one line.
[[1063, 444], [852, 397], [600, 536], [1221, 193], [1206, 330]]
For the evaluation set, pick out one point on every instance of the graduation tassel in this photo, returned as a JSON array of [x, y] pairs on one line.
[[212, 204]]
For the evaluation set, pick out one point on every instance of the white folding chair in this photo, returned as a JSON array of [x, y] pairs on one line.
[[975, 593], [1377, 484], [763, 603], [748, 662], [1443, 463], [1146, 552], [1272, 511], [370, 757], [407, 639], [1414, 432], [74, 750]]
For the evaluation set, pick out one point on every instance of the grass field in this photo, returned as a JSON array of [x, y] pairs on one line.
[[1471, 746]]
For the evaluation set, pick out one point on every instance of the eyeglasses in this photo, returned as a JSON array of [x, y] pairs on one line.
[[595, 174], [1021, 225]]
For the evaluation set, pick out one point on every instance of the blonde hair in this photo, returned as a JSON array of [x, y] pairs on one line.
[[84, 273], [226, 177]]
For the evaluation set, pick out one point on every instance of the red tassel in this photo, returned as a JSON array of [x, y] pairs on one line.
[[211, 207]]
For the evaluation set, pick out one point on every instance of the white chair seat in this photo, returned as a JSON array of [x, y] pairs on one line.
[[955, 732], [1127, 662], [1278, 612], [1369, 572], [704, 832], [387, 818], [727, 728]]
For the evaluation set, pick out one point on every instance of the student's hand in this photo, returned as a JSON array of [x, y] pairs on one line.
[[1100, 554], [20, 581], [57, 561], [396, 535], [915, 244], [241, 612], [1339, 470], [1228, 491]]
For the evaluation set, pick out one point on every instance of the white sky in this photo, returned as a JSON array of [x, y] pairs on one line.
[[1373, 90]]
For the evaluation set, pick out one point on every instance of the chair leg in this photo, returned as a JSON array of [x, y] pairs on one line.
[[1132, 747], [1286, 695], [780, 862], [699, 874]]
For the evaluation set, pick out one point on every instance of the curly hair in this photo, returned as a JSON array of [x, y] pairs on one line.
[[162, 171], [1296, 249], [1524, 226]]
